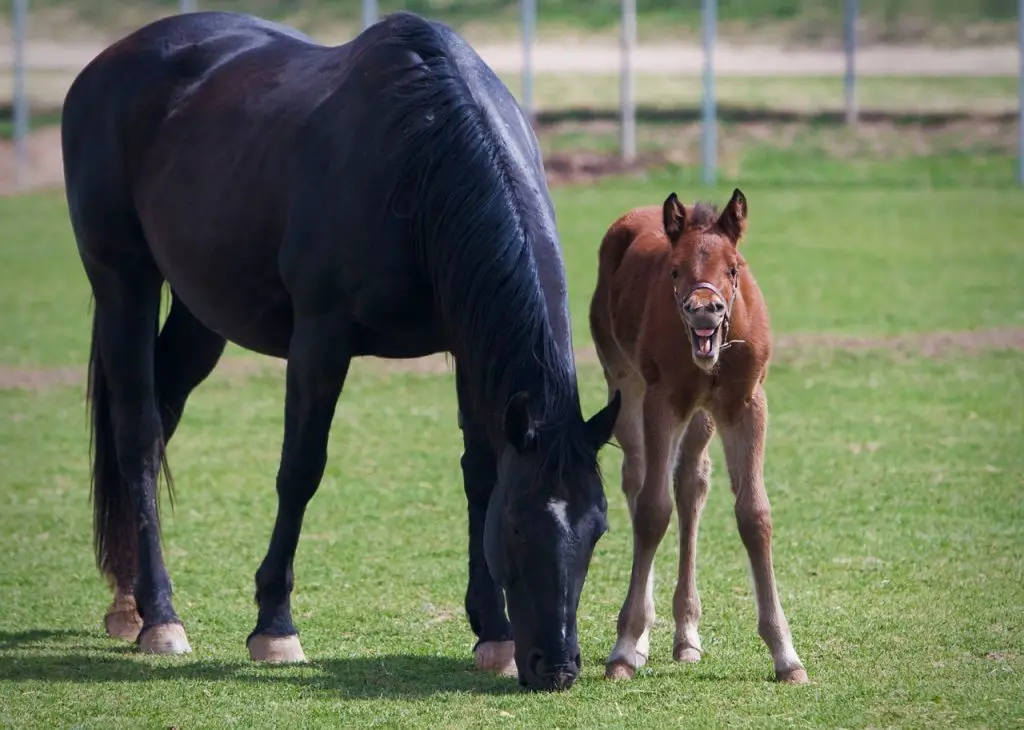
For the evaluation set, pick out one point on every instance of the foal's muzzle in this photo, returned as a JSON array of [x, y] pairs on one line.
[[705, 313]]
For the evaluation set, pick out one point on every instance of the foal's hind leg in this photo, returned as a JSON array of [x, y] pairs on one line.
[[648, 431], [127, 308], [485, 602], [318, 362], [692, 476], [186, 353], [743, 437]]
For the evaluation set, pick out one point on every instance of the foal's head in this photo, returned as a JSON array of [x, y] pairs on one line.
[[705, 268], [546, 515]]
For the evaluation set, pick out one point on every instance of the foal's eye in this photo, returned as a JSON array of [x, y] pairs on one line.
[[675, 274], [732, 272]]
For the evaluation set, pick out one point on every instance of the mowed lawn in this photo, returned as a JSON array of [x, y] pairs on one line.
[[895, 481]]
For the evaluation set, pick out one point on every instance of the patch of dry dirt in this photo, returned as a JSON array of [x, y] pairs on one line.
[[787, 348]]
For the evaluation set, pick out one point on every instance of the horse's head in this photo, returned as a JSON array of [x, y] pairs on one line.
[[705, 268], [546, 515]]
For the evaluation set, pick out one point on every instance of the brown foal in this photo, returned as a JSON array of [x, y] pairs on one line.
[[682, 331]]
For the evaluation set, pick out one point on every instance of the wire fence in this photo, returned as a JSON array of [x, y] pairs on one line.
[[699, 81]]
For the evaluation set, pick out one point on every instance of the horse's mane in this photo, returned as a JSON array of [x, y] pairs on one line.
[[466, 212]]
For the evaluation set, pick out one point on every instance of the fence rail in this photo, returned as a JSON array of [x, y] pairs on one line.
[[627, 138]]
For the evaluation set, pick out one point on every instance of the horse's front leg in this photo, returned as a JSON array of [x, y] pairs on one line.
[[743, 438], [318, 362], [485, 601]]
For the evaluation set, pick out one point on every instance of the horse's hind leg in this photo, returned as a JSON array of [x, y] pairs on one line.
[[186, 353], [318, 362], [692, 476], [127, 292], [743, 437]]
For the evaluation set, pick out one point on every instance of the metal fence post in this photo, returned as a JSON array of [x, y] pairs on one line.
[[370, 13], [1020, 93], [709, 115], [529, 9], [20, 33], [850, 42], [627, 98]]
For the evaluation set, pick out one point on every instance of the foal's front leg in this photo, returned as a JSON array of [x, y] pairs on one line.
[[318, 362], [743, 439], [651, 511], [692, 480]]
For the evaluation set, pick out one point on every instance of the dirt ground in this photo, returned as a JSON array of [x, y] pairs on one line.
[[788, 348]]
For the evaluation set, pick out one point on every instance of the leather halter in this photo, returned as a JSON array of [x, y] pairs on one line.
[[681, 301]]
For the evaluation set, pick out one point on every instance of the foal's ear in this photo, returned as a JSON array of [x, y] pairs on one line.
[[673, 218], [602, 424], [520, 428], [733, 220]]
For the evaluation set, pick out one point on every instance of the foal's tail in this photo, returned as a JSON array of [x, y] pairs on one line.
[[115, 533]]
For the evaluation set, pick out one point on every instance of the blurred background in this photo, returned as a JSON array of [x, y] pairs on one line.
[[800, 91]]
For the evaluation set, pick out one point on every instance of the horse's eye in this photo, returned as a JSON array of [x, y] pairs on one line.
[[675, 274], [732, 272]]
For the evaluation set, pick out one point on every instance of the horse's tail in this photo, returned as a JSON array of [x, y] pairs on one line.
[[115, 533]]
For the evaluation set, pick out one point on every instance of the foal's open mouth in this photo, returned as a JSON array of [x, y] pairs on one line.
[[706, 343]]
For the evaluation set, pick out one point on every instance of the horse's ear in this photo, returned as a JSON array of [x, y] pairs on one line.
[[673, 218], [602, 424], [520, 428], [733, 220]]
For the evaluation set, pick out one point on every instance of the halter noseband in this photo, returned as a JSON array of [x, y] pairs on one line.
[[680, 301]]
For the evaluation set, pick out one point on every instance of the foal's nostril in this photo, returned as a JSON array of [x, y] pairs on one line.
[[717, 307]]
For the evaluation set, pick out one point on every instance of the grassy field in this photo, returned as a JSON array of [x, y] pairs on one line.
[[895, 480], [806, 21]]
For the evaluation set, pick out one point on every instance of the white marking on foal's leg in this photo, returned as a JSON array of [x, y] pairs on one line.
[[630, 654]]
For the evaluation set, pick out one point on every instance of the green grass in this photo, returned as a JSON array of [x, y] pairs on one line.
[[836, 258], [801, 20], [896, 495], [895, 483]]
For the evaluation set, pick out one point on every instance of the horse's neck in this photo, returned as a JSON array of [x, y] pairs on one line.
[[535, 361]]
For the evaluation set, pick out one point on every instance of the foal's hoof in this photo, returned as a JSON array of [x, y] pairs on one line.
[[685, 654], [123, 620], [277, 649], [618, 669], [498, 657], [797, 675], [164, 639]]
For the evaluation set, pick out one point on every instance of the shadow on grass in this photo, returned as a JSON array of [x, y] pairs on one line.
[[58, 656]]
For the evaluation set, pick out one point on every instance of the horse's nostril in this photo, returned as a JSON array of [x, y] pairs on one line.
[[536, 663], [579, 661]]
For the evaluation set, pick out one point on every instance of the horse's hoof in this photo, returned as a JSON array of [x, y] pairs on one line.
[[164, 639], [123, 620], [686, 654], [797, 675], [276, 649], [498, 657], [619, 669]]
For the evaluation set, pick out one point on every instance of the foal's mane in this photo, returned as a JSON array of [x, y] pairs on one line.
[[702, 215], [472, 227]]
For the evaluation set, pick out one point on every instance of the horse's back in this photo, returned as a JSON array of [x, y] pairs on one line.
[[175, 139]]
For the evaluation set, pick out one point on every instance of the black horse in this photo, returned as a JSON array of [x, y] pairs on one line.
[[383, 197]]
